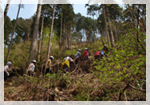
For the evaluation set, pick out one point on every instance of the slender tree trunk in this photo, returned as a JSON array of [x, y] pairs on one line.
[[63, 36], [39, 50], [106, 26], [115, 32], [112, 36], [50, 38], [13, 33], [137, 23], [70, 38], [102, 38], [35, 33], [6, 9], [137, 26], [28, 36], [60, 43]]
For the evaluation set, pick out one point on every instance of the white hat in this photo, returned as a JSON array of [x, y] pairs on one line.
[[70, 59], [34, 61], [9, 63], [86, 48], [79, 49], [51, 57]]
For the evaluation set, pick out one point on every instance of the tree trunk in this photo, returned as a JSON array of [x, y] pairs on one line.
[[115, 32], [6, 9], [35, 33], [13, 33], [70, 38], [102, 38], [63, 36], [50, 38], [106, 26], [39, 50], [28, 36], [60, 43], [112, 36]]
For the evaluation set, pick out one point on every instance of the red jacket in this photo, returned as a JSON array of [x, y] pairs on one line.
[[97, 53], [85, 53]]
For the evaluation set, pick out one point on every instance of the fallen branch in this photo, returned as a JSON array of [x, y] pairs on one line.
[[137, 88], [119, 97], [74, 70], [125, 96]]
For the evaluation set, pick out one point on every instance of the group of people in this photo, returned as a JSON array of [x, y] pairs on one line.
[[65, 65], [99, 54]]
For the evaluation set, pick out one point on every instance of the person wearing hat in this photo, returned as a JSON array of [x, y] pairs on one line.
[[48, 64], [65, 65], [77, 55], [105, 49], [31, 68], [8, 65], [97, 55], [86, 54]]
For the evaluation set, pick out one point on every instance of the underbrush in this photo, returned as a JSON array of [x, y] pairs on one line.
[[119, 77]]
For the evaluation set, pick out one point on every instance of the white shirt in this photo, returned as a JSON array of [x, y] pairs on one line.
[[68, 58], [77, 55], [31, 67], [6, 68]]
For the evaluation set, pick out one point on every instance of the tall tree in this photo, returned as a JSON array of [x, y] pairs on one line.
[[35, 33], [6, 9], [50, 38], [61, 22], [110, 27], [39, 50], [13, 33], [8, 28], [106, 28]]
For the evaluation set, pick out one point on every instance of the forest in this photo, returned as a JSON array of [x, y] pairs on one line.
[[56, 30]]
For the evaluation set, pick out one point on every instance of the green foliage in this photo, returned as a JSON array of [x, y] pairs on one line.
[[125, 63], [8, 28]]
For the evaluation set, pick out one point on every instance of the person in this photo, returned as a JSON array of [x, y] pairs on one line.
[[77, 55], [31, 68], [102, 54], [106, 50], [6, 73], [97, 55], [66, 63], [86, 54], [48, 64]]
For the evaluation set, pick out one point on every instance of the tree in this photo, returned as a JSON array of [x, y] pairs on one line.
[[6, 9], [13, 33], [110, 27], [8, 28], [35, 33], [39, 50], [50, 38], [106, 27]]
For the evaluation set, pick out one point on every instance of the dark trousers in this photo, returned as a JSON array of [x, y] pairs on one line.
[[76, 61], [30, 73], [5, 76], [48, 71], [97, 57], [86, 58], [66, 68]]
